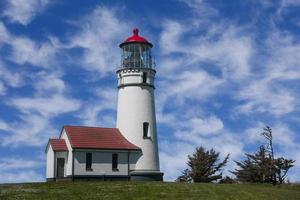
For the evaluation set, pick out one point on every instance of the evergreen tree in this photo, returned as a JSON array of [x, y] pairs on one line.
[[262, 166], [282, 166], [256, 168], [204, 166], [184, 177]]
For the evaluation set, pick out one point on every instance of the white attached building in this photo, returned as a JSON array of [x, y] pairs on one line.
[[129, 151], [89, 153]]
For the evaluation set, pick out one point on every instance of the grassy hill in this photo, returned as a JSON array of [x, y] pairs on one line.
[[146, 190]]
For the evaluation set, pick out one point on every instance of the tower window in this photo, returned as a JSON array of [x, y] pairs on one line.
[[88, 161], [144, 77], [146, 130], [115, 162]]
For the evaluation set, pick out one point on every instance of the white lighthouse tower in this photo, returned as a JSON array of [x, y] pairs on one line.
[[136, 108]]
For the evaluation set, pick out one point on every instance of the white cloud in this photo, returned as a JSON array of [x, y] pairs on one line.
[[269, 92], [170, 37], [261, 97], [199, 83], [4, 35], [27, 51], [15, 169], [23, 11], [283, 136], [3, 125], [2, 88], [21, 177], [94, 113], [285, 143], [206, 131], [18, 163], [30, 130], [49, 83], [284, 53], [49, 100], [9, 79], [286, 3], [188, 85], [201, 8], [173, 157], [46, 106], [262, 78], [99, 34], [229, 50], [210, 125]]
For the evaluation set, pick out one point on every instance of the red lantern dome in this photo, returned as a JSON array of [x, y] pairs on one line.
[[135, 38]]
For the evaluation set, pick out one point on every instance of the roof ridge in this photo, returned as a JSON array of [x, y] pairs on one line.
[[89, 126]]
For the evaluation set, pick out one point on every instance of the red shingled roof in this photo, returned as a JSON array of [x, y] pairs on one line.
[[82, 137], [58, 144]]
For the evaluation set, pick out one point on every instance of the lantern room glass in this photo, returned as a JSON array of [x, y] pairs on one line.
[[136, 56]]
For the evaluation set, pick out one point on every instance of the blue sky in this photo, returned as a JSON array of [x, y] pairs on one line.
[[225, 69]]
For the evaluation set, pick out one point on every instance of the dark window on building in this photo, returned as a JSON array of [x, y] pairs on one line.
[[144, 77], [146, 130], [88, 161], [115, 161]]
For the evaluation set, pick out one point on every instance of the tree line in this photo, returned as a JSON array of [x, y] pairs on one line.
[[260, 167]]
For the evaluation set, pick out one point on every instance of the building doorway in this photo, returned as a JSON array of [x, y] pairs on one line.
[[60, 167]]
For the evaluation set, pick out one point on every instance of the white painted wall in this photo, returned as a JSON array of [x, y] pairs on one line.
[[49, 162], [136, 106], [51, 165], [70, 153], [101, 162]]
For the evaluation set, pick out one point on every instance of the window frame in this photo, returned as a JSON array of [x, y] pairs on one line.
[[144, 77], [146, 131], [88, 162], [114, 162]]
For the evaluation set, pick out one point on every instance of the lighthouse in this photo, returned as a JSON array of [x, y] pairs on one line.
[[127, 152], [136, 105]]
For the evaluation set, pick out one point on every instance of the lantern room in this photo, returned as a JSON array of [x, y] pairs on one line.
[[136, 52]]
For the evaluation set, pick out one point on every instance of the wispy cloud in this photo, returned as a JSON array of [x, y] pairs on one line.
[[14, 170], [98, 36], [26, 51], [30, 130], [100, 110], [23, 11], [209, 68]]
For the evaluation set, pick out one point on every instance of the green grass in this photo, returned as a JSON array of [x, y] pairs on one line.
[[147, 190]]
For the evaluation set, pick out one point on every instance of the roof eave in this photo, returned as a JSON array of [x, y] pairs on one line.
[[124, 149]]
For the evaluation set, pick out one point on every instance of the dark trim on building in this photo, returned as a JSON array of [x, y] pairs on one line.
[[59, 179], [128, 165], [146, 176], [73, 166], [102, 177], [54, 163], [136, 84], [134, 68]]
